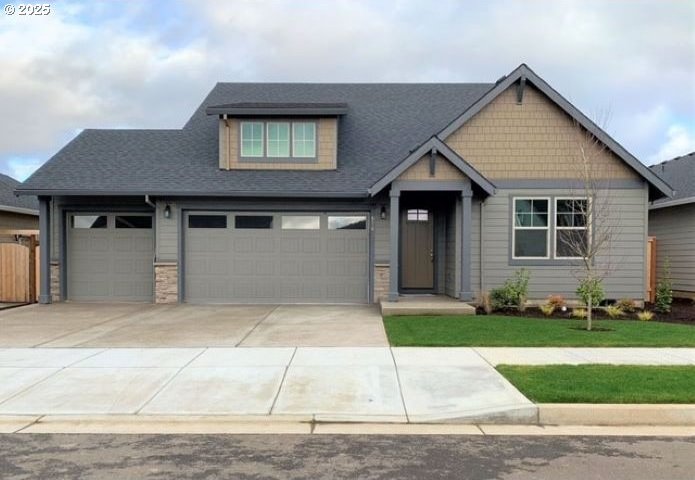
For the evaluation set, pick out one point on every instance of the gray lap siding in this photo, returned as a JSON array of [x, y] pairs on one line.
[[674, 229], [626, 255]]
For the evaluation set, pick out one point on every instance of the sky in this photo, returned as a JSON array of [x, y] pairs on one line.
[[148, 64]]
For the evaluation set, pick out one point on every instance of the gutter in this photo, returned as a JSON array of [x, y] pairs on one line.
[[671, 203], [25, 211], [164, 193]]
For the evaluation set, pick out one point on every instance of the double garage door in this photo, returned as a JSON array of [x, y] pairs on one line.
[[259, 257], [110, 257]]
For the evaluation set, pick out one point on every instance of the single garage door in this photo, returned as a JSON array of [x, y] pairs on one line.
[[110, 257], [238, 257]]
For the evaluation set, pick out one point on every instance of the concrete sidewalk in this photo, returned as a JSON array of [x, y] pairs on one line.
[[306, 384], [320, 384]]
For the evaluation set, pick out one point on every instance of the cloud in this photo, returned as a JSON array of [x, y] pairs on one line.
[[679, 141], [21, 167], [105, 64]]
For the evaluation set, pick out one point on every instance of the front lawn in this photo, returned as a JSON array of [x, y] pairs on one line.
[[603, 383], [501, 331]]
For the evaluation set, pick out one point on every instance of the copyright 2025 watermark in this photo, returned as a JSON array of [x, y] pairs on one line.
[[27, 9]]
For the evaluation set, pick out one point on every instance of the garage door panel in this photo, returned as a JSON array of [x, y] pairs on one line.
[[274, 265], [110, 264]]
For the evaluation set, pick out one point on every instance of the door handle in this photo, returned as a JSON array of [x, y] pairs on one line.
[[432, 256]]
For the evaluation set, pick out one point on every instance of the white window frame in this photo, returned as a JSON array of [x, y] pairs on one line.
[[241, 139], [293, 140], [547, 228], [556, 227], [267, 139]]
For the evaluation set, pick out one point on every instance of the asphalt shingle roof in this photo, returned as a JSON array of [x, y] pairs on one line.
[[680, 174], [383, 124], [9, 199]]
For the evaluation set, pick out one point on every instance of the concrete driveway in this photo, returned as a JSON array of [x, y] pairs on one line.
[[141, 325]]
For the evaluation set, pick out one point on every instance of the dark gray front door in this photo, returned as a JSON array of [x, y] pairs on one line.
[[417, 261]]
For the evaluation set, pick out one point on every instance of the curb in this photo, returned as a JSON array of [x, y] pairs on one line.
[[616, 414], [554, 419]]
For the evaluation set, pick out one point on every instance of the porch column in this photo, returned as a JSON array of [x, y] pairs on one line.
[[45, 248], [394, 213], [466, 293]]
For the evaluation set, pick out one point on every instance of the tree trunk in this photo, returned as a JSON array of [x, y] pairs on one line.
[[589, 312]]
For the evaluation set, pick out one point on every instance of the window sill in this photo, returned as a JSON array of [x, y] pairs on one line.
[[543, 262], [272, 160]]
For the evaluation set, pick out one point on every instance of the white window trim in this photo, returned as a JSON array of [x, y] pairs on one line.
[[241, 139], [515, 228], [293, 139], [556, 227], [267, 139]]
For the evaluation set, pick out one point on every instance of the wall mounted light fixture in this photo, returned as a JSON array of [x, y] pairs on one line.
[[382, 212], [167, 212]]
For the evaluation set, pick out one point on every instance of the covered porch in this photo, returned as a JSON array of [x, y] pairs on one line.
[[432, 225]]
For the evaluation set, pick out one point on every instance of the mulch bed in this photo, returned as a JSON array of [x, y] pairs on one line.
[[682, 311]]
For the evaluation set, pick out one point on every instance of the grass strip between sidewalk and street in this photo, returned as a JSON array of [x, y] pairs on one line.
[[502, 331], [603, 383]]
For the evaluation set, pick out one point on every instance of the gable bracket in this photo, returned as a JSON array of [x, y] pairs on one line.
[[520, 90], [433, 162]]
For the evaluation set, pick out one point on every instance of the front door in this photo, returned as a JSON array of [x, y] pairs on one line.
[[417, 260]]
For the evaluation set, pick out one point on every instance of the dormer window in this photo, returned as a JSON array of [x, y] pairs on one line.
[[304, 139], [278, 139], [252, 139]]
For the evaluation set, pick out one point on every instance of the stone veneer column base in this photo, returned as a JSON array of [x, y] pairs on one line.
[[55, 281], [166, 282], [382, 275]]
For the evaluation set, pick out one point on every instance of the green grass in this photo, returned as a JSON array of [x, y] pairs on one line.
[[603, 383], [500, 331]]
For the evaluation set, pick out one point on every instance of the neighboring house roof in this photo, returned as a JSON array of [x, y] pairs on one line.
[[384, 124], [9, 202], [680, 174]]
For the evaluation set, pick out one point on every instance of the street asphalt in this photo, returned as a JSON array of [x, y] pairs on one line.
[[37, 456]]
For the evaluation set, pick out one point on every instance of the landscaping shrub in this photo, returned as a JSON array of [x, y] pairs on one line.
[[627, 305], [664, 290], [591, 287], [547, 309], [614, 311], [578, 313], [513, 293], [645, 316], [557, 301]]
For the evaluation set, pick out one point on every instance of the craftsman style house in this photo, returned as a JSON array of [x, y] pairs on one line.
[[338, 193]]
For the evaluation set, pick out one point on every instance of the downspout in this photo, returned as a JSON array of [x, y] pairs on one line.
[[482, 244], [150, 202]]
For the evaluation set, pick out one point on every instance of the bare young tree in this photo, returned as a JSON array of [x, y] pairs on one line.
[[586, 222]]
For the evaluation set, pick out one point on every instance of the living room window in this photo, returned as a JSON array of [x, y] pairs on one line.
[[571, 227], [531, 231]]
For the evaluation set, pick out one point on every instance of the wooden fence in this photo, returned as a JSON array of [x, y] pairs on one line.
[[651, 269], [19, 270]]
